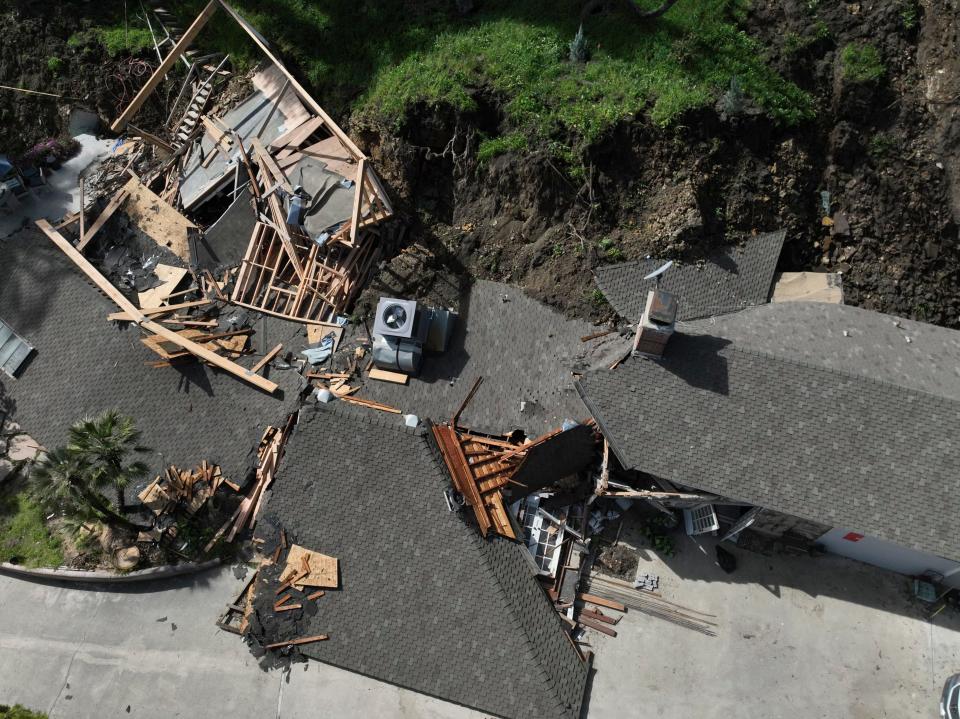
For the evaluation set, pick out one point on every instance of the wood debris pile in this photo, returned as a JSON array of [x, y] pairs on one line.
[[269, 453], [485, 467], [317, 206], [178, 495], [274, 608]]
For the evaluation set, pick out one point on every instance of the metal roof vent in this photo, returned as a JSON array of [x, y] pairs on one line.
[[395, 317], [13, 350]]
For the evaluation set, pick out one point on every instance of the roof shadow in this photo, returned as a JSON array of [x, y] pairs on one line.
[[815, 576], [697, 360]]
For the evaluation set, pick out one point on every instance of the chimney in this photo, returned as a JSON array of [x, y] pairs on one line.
[[656, 325]]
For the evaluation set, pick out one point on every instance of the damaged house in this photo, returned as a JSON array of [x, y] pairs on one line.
[[807, 420]]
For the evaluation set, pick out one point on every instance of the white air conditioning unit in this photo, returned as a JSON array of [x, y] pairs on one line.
[[395, 317]]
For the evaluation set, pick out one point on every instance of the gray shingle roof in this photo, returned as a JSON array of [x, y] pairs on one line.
[[875, 346], [523, 349], [729, 280], [84, 365], [424, 603], [847, 435]]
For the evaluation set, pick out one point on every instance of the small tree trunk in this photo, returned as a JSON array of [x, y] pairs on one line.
[[98, 505]]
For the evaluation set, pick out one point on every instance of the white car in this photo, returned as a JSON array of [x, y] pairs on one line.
[[950, 699]]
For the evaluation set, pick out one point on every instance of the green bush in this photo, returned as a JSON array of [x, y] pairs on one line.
[[861, 63], [54, 65], [597, 299], [18, 711], [909, 14]]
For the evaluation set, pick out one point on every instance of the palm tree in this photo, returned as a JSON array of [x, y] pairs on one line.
[[61, 481], [104, 442], [71, 478]]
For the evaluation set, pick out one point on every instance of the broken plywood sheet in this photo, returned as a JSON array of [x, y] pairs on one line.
[[317, 331], [170, 276], [158, 220], [271, 83], [808, 287], [324, 570], [335, 155]]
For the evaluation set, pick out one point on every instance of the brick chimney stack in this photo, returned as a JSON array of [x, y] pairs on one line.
[[657, 324]]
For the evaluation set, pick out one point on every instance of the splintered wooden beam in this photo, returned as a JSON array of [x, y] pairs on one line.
[[294, 642], [460, 472], [137, 316], [301, 92], [357, 201], [270, 165], [168, 62], [153, 139], [466, 401], [276, 209]]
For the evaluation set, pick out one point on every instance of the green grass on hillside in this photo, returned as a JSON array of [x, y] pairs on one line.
[[382, 58], [117, 39], [24, 535], [862, 63]]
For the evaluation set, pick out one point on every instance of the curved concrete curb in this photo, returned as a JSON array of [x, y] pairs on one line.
[[80, 575]]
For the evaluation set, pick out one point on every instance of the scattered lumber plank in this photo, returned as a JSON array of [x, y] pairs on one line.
[[266, 358], [107, 213], [295, 642], [386, 376], [371, 404], [114, 294], [598, 626], [595, 335], [602, 602], [156, 311], [598, 616]]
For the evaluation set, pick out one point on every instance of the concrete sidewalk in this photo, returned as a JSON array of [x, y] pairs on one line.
[[85, 653]]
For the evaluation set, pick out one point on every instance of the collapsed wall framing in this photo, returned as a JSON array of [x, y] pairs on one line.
[[284, 271]]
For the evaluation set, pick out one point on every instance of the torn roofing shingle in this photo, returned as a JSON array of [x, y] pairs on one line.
[[813, 437], [425, 603], [84, 364], [730, 280]]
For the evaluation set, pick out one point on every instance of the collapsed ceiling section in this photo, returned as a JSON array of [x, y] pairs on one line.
[[248, 178], [309, 199]]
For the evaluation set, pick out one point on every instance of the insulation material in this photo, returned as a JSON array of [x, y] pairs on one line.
[[809, 287]]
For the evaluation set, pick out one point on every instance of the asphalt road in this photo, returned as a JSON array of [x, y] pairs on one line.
[[154, 651]]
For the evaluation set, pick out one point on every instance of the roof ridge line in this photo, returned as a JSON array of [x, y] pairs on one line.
[[549, 680]]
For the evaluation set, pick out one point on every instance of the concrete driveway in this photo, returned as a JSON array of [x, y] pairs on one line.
[[819, 638], [85, 653], [824, 638]]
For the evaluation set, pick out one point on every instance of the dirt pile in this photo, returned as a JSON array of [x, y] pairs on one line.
[[870, 188], [51, 48]]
